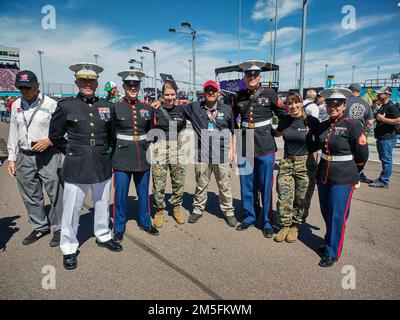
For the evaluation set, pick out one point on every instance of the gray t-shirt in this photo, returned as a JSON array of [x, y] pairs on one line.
[[358, 109]]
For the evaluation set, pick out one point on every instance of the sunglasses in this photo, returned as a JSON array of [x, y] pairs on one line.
[[24, 88], [210, 90], [254, 74]]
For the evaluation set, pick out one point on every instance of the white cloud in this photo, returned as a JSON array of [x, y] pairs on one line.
[[265, 9], [285, 36]]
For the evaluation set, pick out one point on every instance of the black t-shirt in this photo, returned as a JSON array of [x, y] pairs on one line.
[[170, 130], [299, 138], [383, 130]]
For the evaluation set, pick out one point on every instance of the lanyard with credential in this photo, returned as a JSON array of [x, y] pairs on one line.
[[27, 124], [212, 117]]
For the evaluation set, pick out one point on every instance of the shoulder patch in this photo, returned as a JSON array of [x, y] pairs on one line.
[[362, 140]]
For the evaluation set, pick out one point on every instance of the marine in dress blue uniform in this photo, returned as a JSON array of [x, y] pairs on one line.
[[133, 120], [344, 153], [256, 106], [86, 119]]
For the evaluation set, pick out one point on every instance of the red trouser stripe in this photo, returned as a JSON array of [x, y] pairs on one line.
[[344, 222]]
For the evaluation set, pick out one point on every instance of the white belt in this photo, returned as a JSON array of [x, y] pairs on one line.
[[256, 124], [131, 138], [336, 158]]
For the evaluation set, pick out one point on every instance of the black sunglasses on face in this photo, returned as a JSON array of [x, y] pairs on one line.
[[24, 88], [254, 74], [207, 91]]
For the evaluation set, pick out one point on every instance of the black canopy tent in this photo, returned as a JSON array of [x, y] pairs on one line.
[[236, 68]]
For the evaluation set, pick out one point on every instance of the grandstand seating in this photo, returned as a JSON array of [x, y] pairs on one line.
[[7, 79]]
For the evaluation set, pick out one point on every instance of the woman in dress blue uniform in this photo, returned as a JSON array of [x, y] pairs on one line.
[[133, 120], [344, 153]]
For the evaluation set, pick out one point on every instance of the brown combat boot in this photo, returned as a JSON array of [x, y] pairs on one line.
[[159, 219], [293, 234], [281, 236], [178, 215]]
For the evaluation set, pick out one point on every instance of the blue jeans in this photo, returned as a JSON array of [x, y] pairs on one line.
[[4, 117], [385, 151]]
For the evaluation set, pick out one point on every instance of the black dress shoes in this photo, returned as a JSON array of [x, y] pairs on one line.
[[327, 261], [55, 241], [243, 226], [150, 230], [70, 262], [110, 245], [34, 236], [268, 232]]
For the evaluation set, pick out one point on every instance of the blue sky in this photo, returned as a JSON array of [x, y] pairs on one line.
[[115, 29]]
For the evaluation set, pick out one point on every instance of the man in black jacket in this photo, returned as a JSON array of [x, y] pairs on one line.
[[385, 134], [87, 121]]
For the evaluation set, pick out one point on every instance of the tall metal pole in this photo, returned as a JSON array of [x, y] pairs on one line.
[[295, 77], [41, 68], [190, 75], [352, 74], [194, 63], [270, 57], [276, 27], [377, 73], [239, 28], [155, 75], [95, 58], [303, 45]]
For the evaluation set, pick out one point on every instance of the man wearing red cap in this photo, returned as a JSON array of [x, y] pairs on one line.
[[213, 123]]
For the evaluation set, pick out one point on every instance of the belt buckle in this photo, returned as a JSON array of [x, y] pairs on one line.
[[252, 125], [329, 157], [92, 142], [136, 138]]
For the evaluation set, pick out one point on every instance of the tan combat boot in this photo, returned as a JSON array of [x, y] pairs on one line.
[[159, 219], [281, 236], [178, 215], [293, 234]]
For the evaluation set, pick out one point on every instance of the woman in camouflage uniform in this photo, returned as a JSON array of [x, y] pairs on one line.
[[296, 177], [170, 120]]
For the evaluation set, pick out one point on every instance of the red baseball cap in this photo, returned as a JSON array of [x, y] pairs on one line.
[[210, 83]]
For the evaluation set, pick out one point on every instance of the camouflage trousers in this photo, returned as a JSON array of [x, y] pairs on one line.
[[167, 156], [295, 187], [222, 172]]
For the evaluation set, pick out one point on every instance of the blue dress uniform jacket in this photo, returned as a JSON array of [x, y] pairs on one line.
[[87, 123], [133, 120], [341, 137], [260, 110]]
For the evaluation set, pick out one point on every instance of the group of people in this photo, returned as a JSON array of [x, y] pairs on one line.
[[108, 142]]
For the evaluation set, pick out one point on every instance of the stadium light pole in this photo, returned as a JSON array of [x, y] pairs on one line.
[[192, 32], [276, 28], [148, 50], [326, 74], [303, 45], [95, 61], [352, 74], [295, 76], [377, 73], [40, 52]]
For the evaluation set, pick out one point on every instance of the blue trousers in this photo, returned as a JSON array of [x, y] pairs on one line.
[[254, 178], [385, 151], [122, 181], [335, 208]]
